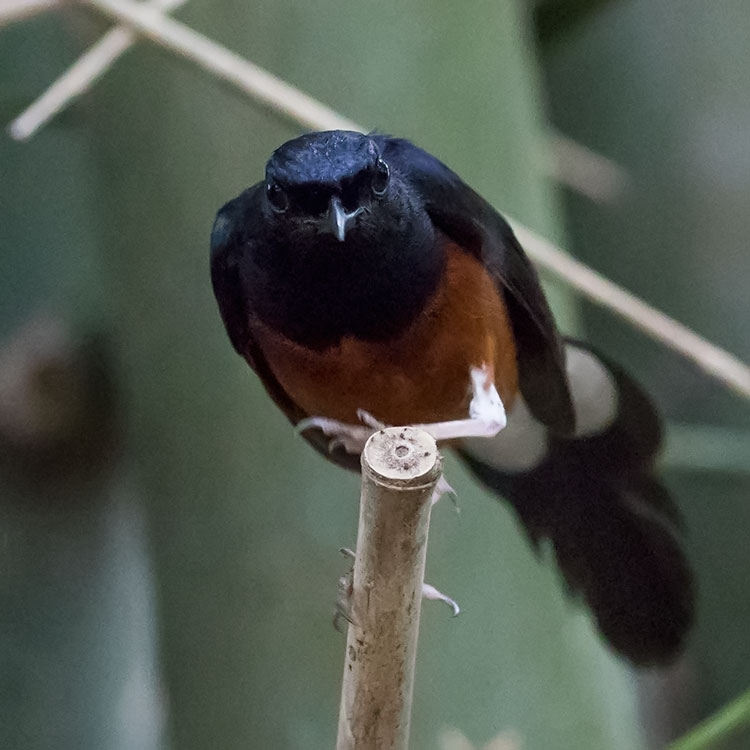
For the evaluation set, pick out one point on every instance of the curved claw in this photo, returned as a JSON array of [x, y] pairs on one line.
[[351, 438], [443, 488], [430, 592], [307, 424], [334, 443], [344, 595], [367, 419], [325, 425]]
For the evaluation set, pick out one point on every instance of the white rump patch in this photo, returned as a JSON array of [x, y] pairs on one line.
[[593, 389], [522, 445], [519, 447]]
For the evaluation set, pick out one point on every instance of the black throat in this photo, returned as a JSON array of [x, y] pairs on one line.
[[316, 290]]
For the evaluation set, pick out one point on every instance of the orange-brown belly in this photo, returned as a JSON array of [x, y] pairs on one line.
[[420, 376]]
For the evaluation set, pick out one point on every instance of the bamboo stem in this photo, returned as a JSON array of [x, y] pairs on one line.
[[723, 724], [400, 468]]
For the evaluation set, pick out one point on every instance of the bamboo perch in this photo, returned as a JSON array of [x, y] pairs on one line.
[[400, 469]]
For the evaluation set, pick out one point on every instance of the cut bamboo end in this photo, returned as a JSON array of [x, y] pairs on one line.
[[403, 457]]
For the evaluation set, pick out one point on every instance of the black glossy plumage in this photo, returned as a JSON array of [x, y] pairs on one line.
[[315, 289], [302, 281], [474, 224], [322, 159], [613, 527]]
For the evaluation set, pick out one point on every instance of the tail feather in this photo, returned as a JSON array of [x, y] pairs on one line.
[[613, 527]]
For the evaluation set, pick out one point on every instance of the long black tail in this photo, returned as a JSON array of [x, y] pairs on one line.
[[614, 528]]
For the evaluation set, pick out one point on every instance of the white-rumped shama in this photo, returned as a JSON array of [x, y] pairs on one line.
[[364, 275]]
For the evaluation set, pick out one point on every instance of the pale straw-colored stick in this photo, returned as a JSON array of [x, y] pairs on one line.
[[571, 163], [261, 85], [713, 360], [80, 76]]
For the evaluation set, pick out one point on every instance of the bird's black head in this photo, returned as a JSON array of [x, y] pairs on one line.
[[342, 243], [326, 181]]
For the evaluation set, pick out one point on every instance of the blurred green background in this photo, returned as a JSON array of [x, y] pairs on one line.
[[170, 582]]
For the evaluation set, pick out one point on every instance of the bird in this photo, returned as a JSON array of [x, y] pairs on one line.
[[366, 284]]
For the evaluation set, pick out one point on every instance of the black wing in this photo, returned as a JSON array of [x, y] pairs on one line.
[[232, 236], [472, 223], [228, 236]]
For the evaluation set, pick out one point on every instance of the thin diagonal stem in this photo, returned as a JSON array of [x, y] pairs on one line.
[[721, 726], [712, 359], [77, 79], [264, 87]]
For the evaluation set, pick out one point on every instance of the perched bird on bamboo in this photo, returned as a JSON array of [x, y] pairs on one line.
[[366, 283]]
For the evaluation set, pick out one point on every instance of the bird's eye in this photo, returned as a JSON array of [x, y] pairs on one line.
[[380, 178], [277, 197]]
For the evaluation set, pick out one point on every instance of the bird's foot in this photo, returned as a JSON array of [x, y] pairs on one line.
[[486, 419], [486, 411], [346, 588], [430, 592], [443, 488], [343, 609], [351, 437]]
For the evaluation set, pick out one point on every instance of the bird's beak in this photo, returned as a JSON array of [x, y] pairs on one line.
[[338, 218]]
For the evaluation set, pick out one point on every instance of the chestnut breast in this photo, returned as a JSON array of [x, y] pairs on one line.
[[420, 376]]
